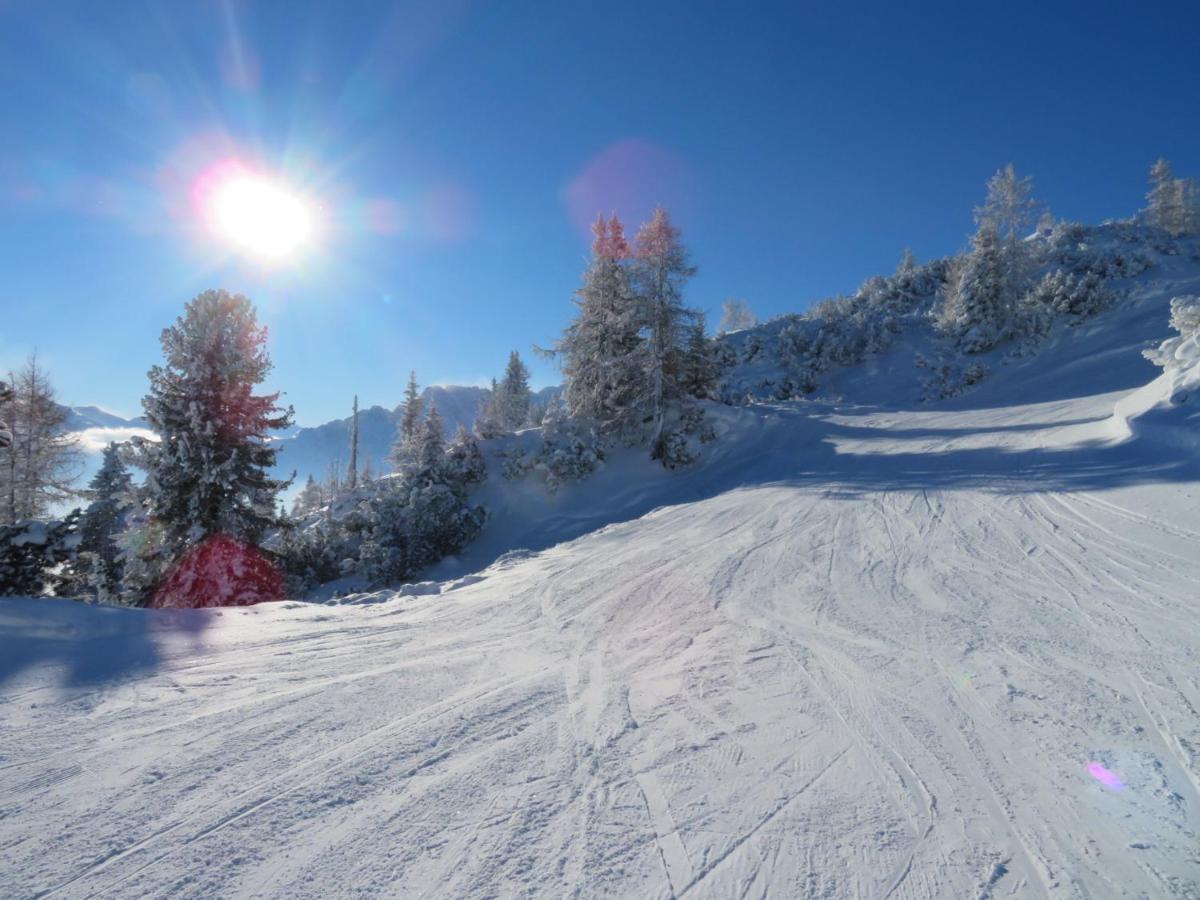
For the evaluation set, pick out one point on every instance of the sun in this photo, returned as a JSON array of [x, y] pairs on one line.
[[260, 216]]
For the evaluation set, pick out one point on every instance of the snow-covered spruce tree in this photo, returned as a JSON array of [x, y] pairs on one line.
[[41, 466], [602, 351], [736, 315], [1171, 203], [661, 268], [410, 422], [110, 491], [310, 498], [487, 420], [352, 469], [208, 473], [981, 302], [514, 395], [464, 460], [414, 520], [700, 369]]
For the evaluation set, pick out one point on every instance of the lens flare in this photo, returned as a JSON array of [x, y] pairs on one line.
[[1109, 779]]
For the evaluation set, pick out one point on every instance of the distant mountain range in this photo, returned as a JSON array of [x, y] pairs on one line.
[[306, 451]]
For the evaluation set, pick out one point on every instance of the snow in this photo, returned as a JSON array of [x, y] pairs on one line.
[[865, 647], [859, 652]]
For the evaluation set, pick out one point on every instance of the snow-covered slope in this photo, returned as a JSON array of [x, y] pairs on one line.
[[862, 649]]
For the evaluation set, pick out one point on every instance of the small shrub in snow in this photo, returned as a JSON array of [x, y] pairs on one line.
[[949, 377]]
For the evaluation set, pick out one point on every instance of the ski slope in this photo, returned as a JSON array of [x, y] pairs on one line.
[[872, 650], [901, 671]]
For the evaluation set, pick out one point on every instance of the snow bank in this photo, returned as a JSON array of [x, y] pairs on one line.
[[1167, 410]]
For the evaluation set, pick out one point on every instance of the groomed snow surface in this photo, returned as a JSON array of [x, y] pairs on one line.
[[859, 651]]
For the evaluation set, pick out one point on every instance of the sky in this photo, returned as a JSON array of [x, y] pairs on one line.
[[452, 155]]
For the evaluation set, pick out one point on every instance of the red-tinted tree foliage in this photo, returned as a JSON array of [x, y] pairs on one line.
[[219, 571]]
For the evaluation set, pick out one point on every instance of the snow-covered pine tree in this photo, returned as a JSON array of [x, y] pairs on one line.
[[487, 421], [430, 447], [977, 310], [661, 269], [602, 350], [1171, 202], [698, 377], [41, 466], [736, 315], [208, 472], [410, 422], [464, 460], [514, 395], [352, 469], [310, 498], [104, 519], [984, 289]]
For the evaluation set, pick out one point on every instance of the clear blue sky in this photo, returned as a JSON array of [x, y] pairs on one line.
[[456, 149]]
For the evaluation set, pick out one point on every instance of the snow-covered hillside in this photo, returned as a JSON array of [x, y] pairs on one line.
[[865, 647]]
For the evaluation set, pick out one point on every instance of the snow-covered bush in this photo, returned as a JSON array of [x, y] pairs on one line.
[[1182, 351], [409, 526], [569, 451], [949, 377], [1063, 293], [36, 557]]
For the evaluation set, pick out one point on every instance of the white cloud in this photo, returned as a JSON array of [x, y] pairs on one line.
[[93, 440]]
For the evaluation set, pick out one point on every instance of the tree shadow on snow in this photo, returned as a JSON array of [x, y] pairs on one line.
[[87, 645]]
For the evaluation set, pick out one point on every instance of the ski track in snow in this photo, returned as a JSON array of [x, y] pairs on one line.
[[805, 688]]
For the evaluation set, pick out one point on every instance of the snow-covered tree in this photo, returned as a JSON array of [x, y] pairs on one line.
[[699, 370], [1184, 350], [1172, 202], [104, 519], [310, 498], [208, 472], [512, 396], [984, 289], [352, 469], [487, 420], [602, 351], [661, 269], [410, 422], [464, 460], [736, 315], [41, 466], [430, 446]]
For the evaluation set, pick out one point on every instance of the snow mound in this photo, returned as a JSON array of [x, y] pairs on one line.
[[1167, 409]]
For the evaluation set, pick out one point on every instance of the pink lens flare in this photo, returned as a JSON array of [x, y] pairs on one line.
[[1109, 779]]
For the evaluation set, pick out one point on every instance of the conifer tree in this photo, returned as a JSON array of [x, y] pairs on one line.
[[310, 498], [208, 472], [410, 422], [487, 420], [352, 469], [1171, 202], [661, 269], [513, 395], [103, 521], [602, 350]]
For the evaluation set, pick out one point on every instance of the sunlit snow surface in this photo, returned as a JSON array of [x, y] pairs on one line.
[[859, 651]]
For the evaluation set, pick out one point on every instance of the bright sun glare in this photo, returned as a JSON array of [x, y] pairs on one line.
[[260, 216]]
